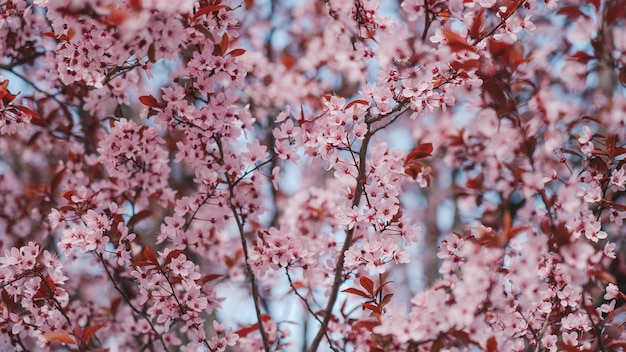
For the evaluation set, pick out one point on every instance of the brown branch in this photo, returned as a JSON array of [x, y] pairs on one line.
[[308, 307], [244, 245], [358, 193], [52, 298], [127, 300], [596, 328], [502, 23], [427, 21]]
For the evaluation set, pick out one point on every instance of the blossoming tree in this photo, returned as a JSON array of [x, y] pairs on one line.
[[345, 175]]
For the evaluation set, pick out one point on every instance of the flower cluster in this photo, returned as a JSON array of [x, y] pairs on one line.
[[376, 254], [33, 297], [345, 175], [136, 163]]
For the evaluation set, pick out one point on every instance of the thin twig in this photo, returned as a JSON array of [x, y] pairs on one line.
[[426, 21], [502, 22], [56, 302], [30, 83], [597, 329], [244, 245], [308, 307], [127, 300]]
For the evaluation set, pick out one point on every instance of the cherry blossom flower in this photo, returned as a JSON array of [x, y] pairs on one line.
[[612, 291], [618, 180], [168, 162]]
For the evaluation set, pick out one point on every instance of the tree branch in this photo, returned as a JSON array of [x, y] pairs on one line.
[[244, 246], [338, 280], [127, 300], [308, 307]]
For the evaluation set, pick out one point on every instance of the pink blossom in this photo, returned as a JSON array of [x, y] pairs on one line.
[[609, 250], [570, 338], [618, 179], [549, 342], [576, 322], [168, 162], [569, 297], [612, 291]]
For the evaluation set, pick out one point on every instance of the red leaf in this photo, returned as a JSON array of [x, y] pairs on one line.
[[611, 144], [437, 345], [247, 330], [475, 183], [572, 152], [514, 231], [466, 65], [46, 288], [152, 52], [357, 292], [138, 217], [8, 301], [618, 151], [567, 348], [298, 284], [115, 17], [173, 254], [582, 57], [56, 181], [599, 164], [420, 152], [60, 337], [367, 284], [599, 152], [135, 5], [572, 12], [236, 52], [478, 24], [463, 336], [209, 9], [615, 11], [415, 168], [28, 111], [288, 60], [368, 325], [595, 3], [210, 277], [562, 236], [224, 44], [88, 332], [115, 304], [372, 307], [511, 55], [149, 100], [386, 299], [456, 42], [591, 118], [5, 95], [358, 101], [150, 256], [510, 8], [492, 344]]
